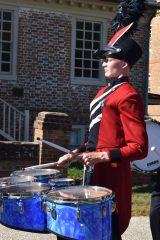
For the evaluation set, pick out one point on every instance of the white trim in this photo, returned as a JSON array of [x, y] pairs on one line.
[[86, 81], [104, 94], [95, 120]]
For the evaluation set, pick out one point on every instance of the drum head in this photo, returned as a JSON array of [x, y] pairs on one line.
[[25, 189], [37, 172], [79, 193], [15, 179]]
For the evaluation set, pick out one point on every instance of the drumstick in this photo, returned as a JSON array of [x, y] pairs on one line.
[[50, 164], [87, 170], [54, 164], [55, 146]]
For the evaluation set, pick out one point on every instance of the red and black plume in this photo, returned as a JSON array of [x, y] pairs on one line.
[[129, 11]]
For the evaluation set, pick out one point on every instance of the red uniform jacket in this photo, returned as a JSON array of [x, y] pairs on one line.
[[121, 132]]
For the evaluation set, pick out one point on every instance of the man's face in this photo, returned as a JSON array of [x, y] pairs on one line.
[[113, 68]]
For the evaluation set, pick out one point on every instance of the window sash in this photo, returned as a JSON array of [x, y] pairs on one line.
[[8, 42], [87, 37], [77, 136]]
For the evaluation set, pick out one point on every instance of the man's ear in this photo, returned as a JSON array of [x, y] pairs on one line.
[[125, 65]]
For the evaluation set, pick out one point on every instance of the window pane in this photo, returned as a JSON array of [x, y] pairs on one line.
[[5, 67], [96, 45], [88, 45], [95, 74], [78, 54], [95, 64], [79, 25], [87, 73], [97, 27], [6, 47], [79, 44], [87, 64], [78, 63], [6, 57], [79, 34], [74, 140], [6, 36], [93, 56], [87, 54], [78, 72], [6, 26], [88, 26], [7, 16], [96, 36], [88, 35]]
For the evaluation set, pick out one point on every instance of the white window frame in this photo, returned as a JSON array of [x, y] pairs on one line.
[[82, 129], [13, 74], [86, 81]]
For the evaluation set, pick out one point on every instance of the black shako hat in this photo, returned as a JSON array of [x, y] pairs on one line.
[[125, 48], [124, 24]]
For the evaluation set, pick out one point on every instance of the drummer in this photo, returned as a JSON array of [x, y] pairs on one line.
[[117, 133]]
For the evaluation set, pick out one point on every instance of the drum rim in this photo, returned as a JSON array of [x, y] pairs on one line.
[[61, 200], [32, 172], [11, 195], [8, 180]]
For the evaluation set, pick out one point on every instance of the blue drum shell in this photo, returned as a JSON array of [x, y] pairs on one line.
[[32, 219], [91, 225]]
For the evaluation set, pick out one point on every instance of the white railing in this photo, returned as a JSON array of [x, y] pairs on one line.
[[14, 124]]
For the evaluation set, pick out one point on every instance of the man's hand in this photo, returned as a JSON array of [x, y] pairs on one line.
[[91, 158], [68, 158]]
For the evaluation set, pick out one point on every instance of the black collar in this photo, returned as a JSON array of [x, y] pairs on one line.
[[114, 82]]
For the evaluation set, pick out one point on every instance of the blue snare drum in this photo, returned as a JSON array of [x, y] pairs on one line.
[[58, 183], [22, 206], [41, 175], [80, 212]]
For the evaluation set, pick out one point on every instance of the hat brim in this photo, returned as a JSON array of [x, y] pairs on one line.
[[108, 52]]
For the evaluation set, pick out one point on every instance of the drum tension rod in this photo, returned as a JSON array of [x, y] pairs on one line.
[[53, 212], [78, 212], [21, 207]]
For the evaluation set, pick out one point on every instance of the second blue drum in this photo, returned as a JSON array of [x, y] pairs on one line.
[[58, 183], [41, 175]]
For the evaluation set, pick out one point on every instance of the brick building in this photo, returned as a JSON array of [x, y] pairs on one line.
[[46, 56]]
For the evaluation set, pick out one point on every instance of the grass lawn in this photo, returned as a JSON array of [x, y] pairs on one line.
[[141, 194]]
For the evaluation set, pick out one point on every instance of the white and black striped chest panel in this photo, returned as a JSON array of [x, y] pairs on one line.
[[98, 104], [96, 112]]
